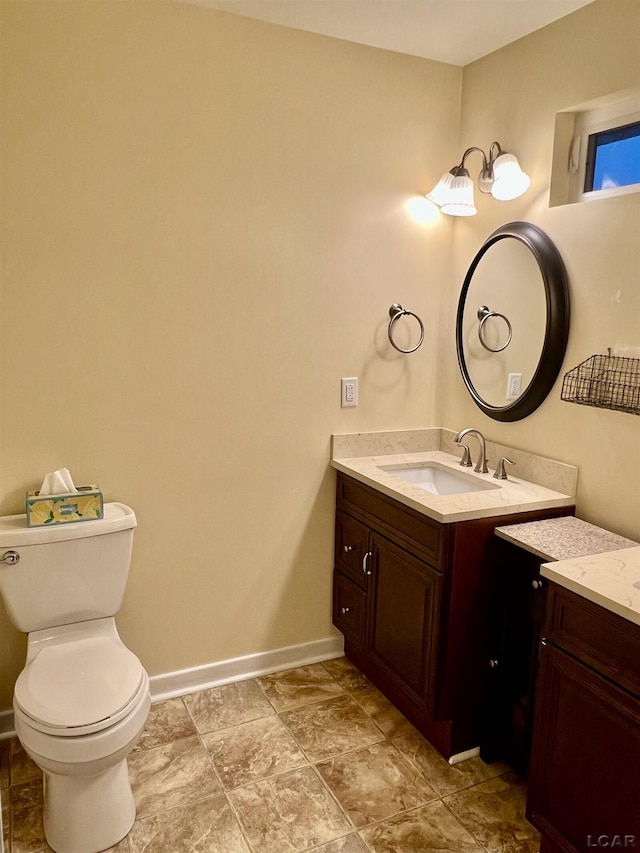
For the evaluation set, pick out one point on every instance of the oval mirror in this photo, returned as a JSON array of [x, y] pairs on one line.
[[513, 321]]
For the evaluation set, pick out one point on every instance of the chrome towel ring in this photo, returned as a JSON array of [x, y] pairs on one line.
[[483, 315], [395, 312]]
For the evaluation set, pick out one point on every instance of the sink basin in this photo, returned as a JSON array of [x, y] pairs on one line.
[[438, 479]]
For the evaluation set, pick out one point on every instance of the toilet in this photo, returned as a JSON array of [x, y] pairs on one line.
[[82, 699]]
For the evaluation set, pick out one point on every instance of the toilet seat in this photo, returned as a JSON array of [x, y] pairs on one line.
[[80, 686]]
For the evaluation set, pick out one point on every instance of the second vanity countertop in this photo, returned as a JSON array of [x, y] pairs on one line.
[[567, 538], [596, 564], [611, 580], [363, 456]]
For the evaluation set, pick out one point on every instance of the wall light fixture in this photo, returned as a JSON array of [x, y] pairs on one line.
[[501, 176]]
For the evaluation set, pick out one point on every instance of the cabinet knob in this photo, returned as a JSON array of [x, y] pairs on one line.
[[346, 610], [348, 548], [537, 584], [365, 563], [493, 663]]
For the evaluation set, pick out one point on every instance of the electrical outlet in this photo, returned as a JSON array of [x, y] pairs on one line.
[[349, 391], [514, 386]]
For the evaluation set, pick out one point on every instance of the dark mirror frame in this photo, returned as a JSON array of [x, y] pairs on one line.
[[556, 288]]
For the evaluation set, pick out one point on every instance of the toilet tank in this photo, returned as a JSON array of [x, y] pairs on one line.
[[66, 572]]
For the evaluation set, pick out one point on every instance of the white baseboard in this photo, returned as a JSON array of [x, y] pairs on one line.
[[183, 681], [463, 756], [7, 728]]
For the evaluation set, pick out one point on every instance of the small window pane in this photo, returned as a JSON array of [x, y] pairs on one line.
[[613, 158]]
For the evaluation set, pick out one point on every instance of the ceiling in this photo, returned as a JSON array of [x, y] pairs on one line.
[[453, 31]]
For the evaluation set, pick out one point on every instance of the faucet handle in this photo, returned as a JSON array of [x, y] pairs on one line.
[[500, 472], [466, 456]]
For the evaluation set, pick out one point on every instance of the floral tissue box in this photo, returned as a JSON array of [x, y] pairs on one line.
[[84, 505]]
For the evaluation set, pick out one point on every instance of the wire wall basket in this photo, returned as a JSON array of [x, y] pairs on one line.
[[606, 382]]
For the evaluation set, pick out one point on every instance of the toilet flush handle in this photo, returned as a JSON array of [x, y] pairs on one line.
[[10, 557]]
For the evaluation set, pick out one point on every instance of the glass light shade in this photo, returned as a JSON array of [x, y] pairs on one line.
[[460, 198], [440, 193], [509, 181]]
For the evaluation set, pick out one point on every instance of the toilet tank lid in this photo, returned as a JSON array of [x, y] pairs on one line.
[[14, 530]]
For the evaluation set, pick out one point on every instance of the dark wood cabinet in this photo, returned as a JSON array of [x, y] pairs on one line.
[[414, 601], [518, 624], [584, 783], [387, 602], [405, 597], [516, 627]]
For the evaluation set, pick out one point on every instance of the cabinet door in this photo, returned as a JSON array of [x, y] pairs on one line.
[[403, 616], [585, 770], [349, 602], [351, 547]]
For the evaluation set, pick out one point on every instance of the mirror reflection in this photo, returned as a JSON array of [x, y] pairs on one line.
[[513, 321], [509, 284]]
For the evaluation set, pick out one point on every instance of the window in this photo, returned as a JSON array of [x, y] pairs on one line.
[[613, 158], [596, 151]]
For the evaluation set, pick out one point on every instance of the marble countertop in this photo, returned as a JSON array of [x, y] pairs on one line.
[[588, 560], [611, 580], [364, 456], [563, 538]]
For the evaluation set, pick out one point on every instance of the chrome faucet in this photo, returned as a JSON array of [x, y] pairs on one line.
[[481, 464]]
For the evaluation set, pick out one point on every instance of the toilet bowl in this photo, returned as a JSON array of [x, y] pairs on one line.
[[82, 699], [80, 731]]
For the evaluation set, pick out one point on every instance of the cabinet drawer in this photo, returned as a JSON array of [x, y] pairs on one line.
[[414, 531], [602, 640], [349, 609], [351, 547]]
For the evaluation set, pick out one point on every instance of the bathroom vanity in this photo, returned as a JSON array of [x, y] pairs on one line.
[[517, 625], [585, 768], [414, 576]]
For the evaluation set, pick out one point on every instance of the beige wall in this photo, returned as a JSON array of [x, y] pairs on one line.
[[204, 228], [513, 96]]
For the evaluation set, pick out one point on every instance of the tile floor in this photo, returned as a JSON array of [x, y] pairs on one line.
[[312, 759]]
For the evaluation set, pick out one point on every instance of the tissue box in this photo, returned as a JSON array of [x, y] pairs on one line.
[[84, 505]]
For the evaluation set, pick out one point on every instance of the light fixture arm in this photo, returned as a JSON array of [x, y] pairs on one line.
[[498, 153], [485, 178], [494, 156], [475, 148]]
